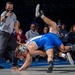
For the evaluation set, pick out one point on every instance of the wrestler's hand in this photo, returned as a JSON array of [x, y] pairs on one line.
[[44, 54], [15, 69]]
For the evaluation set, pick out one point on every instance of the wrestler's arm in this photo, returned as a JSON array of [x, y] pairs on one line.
[[27, 62]]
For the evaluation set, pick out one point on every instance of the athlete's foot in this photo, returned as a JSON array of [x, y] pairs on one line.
[[50, 68], [69, 58], [38, 12]]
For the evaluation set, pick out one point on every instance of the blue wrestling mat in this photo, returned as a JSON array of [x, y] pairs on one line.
[[7, 65]]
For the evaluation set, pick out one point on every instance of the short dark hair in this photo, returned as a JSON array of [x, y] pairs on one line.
[[9, 3]]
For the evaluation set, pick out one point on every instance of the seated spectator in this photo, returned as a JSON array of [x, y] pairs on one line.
[[63, 33], [71, 39], [59, 22], [45, 30], [18, 23], [71, 35], [32, 32], [22, 36]]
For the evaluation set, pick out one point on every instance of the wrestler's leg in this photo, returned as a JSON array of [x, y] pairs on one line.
[[33, 49], [50, 54]]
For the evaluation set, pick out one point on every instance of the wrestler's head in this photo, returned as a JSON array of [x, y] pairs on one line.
[[21, 52]]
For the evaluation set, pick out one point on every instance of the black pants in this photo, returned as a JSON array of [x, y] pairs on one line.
[[8, 39]]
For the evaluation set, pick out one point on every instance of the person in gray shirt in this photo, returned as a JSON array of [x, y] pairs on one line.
[[32, 32], [8, 22]]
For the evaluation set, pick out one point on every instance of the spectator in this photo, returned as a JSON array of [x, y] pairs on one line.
[[45, 30], [8, 22], [14, 32], [71, 35], [59, 22], [32, 32], [22, 36], [63, 33], [71, 39]]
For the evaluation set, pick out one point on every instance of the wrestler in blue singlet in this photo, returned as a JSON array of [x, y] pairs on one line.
[[47, 40]]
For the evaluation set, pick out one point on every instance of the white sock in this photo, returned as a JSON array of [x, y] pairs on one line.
[[63, 55], [42, 16]]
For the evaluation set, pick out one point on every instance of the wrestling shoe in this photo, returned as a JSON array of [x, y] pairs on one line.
[[38, 12], [50, 68], [69, 58]]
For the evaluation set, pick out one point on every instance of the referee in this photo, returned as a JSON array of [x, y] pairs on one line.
[[7, 24]]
